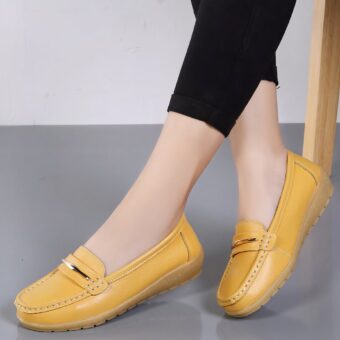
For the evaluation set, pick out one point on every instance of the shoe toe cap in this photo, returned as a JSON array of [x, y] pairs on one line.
[[234, 276], [248, 281], [41, 301]]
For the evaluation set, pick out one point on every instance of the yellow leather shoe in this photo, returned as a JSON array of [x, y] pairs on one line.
[[262, 260], [77, 294]]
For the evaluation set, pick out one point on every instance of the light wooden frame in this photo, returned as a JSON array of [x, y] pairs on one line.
[[324, 83]]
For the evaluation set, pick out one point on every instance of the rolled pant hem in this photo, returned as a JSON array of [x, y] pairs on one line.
[[205, 112]]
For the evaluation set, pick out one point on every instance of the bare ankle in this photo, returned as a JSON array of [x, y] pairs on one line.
[[260, 187]]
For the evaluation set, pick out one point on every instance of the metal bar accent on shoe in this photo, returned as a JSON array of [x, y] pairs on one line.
[[73, 267], [239, 242]]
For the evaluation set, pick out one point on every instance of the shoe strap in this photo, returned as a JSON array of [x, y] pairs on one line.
[[80, 273], [252, 241]]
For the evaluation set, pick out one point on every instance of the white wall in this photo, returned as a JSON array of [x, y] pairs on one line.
[[114, 61]]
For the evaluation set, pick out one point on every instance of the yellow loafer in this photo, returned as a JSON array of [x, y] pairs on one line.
[[77, 294], [262, 260]]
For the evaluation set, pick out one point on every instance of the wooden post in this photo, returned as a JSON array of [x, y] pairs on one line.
[[323, 85]]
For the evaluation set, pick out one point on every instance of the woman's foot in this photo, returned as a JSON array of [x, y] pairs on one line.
[[156, 201], [147, 246], [261, 261], [259, 155], [281, 194], [261, 181], [77, 294]]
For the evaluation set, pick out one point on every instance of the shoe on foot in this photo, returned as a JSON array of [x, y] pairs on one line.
[[262, 260], [77, 294]]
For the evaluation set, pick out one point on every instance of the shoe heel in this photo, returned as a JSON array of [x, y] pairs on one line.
[[172, 280], [181, 275], [320, 200]]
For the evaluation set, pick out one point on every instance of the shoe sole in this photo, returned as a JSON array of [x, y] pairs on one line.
[[170, 281], [318, 205]]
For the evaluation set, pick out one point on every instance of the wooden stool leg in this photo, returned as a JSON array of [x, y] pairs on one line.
[[324, 83]]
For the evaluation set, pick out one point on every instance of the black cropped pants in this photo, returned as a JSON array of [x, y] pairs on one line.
[[232, 48]]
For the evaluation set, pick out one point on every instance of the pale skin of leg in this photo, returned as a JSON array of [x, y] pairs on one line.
[[155, 202], [259, 155]]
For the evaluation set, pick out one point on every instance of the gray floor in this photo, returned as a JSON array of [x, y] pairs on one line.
[[58, 184]]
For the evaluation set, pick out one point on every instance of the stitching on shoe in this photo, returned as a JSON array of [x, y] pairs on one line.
[[231, 258], [252, 273], [307, 170], [58, 304], [242, 290], [52, 305], [249, 279], [24, 307], [145, 261], [85, 292], [186, 246], [260, 260]]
